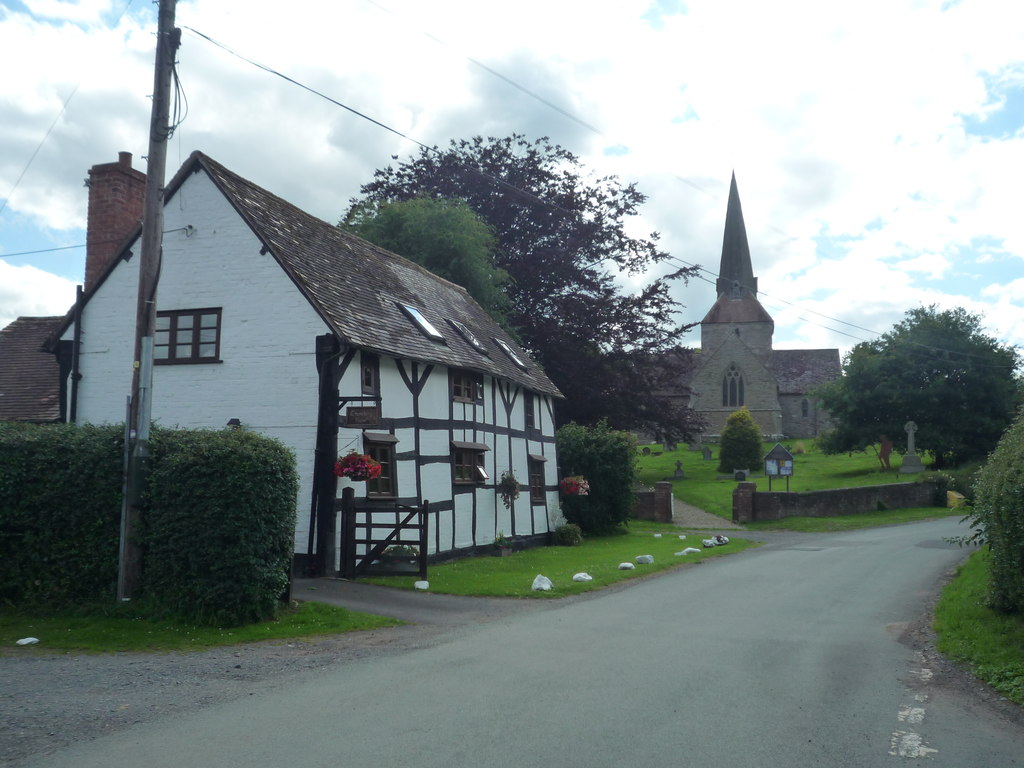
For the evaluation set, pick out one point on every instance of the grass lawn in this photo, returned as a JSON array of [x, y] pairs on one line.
[[513, 576], [991, 644], [109, 629], [813, 471]]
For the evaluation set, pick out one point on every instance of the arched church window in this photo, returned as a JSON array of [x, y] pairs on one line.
[[805, 408], [732, 388]]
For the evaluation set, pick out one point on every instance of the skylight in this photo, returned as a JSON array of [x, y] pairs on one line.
[[468, 335], [511, 355], [423, 324]]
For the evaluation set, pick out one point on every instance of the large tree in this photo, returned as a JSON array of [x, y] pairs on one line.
[[446, 237], [935, 368], [562, 239]]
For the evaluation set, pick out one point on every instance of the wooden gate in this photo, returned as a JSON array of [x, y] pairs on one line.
[[382, 539]]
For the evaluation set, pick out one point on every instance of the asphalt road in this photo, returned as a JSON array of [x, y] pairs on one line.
[[811, 651]]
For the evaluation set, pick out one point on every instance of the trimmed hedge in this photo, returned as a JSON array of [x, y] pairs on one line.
[[219, 525], [60, 512], [998, 518], [216, 532], [608, 460]]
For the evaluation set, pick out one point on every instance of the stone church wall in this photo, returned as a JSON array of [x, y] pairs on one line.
[[795, 424]]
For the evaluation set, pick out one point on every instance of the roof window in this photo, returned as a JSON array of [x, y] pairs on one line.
[[469, 336], [511, 355], [425, 326]]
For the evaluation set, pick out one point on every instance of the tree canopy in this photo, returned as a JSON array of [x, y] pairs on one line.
[[935, 368], [561, 236], [446, 237]]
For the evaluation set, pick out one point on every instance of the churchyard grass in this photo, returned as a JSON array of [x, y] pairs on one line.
[[991, 644], [111, 628], [702, 487], [600, 557]]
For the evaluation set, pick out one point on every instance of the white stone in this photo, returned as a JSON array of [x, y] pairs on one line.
[[709, 543], [645, 559], [422, 585], [542, 584], [682, 535], [626, 566], [28, 641], [582, 577], [657, 535], [690, 550]]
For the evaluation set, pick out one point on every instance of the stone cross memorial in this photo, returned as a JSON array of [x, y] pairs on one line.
[[911, 461]]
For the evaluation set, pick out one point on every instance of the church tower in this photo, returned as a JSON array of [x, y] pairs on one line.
[[737, 312]]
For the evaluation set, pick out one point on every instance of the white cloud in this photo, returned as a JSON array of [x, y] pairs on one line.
[[31, 292]]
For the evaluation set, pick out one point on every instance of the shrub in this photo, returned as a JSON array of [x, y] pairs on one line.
[[998, 518], [740, 445], [607, 459], [568, 535], [60, 513], [218, 524]]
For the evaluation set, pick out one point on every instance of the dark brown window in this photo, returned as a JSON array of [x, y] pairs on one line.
[[529, 405], [370, 374], [467, 387], [187, 336], [381, 449], [468, 462], [536, 469]]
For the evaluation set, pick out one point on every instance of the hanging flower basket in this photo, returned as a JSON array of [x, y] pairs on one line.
[[576, 485], [508, 488], [357, 467]]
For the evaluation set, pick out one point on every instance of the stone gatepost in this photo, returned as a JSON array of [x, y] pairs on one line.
[[743, 502], [663, 502]]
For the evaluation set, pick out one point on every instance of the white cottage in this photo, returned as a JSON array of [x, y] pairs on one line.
[[298, 330]]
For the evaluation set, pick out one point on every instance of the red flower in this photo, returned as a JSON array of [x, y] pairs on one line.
[[357, 466], [576, 485]]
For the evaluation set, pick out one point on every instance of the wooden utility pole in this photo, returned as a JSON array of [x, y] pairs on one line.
[[130, 561]]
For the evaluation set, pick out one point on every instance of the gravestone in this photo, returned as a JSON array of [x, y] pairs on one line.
[[911, 461], [646, 451], [679, 469], [707, 453]]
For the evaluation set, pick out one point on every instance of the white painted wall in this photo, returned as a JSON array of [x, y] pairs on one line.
[[267, 377]]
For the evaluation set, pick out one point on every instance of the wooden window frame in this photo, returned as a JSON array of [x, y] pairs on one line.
[[172, 337], [369, 374], [466, 386], [468, 463], [535, 469], [529, 410], [381, 448]]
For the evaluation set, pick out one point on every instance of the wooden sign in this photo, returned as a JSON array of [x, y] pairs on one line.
[[362, 416]]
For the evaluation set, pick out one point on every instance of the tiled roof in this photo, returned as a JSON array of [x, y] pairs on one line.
[[29, 376], [356, 286], [800, 370], [746, 309]]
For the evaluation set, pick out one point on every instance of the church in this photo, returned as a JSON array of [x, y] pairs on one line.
[[736, 365]]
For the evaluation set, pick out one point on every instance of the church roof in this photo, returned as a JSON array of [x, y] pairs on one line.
[[745, 309], [800, 370], [29, 376]]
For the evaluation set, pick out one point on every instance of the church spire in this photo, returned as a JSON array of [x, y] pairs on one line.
[[735, 275]]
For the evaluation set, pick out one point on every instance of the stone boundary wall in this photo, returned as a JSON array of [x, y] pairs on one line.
[[750, 505], [654, 504]]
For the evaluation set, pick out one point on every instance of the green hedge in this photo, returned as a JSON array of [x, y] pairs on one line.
[[216, 530], [219, 525], [60, 512], [998, 518], [608, 460]]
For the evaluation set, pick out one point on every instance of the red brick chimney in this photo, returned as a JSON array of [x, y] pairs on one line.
[[116, 193]]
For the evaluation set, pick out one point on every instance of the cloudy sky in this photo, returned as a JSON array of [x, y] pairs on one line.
[[878, 146]]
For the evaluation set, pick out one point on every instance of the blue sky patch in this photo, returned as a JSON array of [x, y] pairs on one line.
[[617, 150], [1002, 122], [659, 9]]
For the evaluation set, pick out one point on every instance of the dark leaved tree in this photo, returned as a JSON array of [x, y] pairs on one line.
[[561, 237], [935, 368]]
